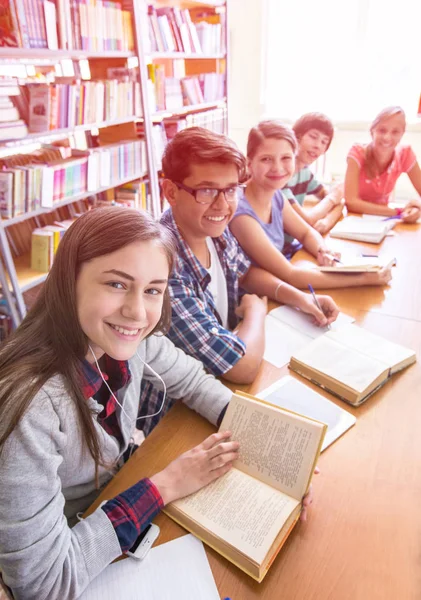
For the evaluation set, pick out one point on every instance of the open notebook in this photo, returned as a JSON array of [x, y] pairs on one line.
[[362, 230], [288, 329], [293, 395], [351, 363]]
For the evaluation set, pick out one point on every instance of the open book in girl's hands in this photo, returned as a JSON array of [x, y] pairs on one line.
[[247, 514]]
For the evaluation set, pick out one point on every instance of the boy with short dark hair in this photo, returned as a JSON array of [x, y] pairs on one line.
[[314, 132]]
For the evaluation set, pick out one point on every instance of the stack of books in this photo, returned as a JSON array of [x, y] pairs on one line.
[[11, 125]]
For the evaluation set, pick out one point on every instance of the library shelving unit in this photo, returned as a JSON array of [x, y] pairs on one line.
[[176, 51]]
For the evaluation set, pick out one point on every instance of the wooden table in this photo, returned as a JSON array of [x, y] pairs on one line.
[[363, 537]]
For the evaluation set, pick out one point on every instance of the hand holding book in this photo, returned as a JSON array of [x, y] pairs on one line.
[[197, 467]]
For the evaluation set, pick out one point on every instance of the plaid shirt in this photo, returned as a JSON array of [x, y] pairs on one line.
[[131, 511], [196, 326]]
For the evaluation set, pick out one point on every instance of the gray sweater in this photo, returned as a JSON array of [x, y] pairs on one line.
[[47, 478]]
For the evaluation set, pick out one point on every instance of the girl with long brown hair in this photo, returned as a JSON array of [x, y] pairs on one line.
[[374, 168], [70, 380]]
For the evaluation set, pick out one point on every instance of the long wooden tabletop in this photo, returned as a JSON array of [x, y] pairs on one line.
[[362, 540]]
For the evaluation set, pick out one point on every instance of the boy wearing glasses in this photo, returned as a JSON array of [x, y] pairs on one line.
[[211, 319]]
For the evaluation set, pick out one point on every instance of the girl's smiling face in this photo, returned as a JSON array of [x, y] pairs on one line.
[[388, 133], [120, 296], [273, 164]]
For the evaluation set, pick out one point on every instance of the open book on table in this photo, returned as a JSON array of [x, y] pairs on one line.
[[359, 264], [293, 395], [362, 230], [351, 363], [288, 330], [247, 514]]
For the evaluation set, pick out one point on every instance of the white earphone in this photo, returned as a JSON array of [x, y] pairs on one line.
[[150, 368]]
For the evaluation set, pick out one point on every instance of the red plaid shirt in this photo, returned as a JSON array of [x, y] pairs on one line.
[[131, 511]]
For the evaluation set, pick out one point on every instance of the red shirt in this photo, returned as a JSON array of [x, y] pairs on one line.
[[378, 190]]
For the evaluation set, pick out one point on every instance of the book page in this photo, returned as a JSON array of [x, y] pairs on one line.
[[293, 395], [287, 330], [345, 364], [276, 446], [242, 511], [371, 345]]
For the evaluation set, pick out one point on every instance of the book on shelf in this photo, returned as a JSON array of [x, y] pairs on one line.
[[44, 244], [9, 28], [351, 362], [52, 174], [67, 105], [172, 29], [247, 514], [214, 119], [362, 230], [288, 329], [293, 395], [42, 250], [66, 24], [359, 264]]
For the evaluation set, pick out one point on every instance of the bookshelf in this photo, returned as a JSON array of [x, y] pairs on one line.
[[175, 58]]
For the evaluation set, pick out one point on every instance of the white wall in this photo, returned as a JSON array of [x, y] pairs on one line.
[[246, 80], [245, 107]]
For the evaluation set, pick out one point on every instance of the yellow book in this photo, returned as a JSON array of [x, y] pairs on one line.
[[350, 362], [41, 250], [247, 514]]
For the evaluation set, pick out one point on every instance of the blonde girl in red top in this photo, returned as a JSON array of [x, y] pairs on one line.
[[374, 168]]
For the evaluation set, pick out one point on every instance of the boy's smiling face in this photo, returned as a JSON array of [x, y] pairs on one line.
[[199, 221], [311, 146]]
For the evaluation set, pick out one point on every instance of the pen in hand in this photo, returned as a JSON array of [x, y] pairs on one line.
[[316, 302]]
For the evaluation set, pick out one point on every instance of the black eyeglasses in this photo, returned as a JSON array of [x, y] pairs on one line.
[[208, 195]]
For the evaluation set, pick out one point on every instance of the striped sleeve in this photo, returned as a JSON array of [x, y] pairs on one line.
[[131, 511], [314, 186]]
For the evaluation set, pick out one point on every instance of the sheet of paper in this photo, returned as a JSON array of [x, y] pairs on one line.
[[176, 570], [288, 330], [293, 395]]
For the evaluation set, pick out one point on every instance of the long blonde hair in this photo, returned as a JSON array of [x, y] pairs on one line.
[[370, 164]]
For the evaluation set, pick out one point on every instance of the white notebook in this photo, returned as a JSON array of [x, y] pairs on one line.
[[363, 230], [293, 395], [176, 570], [288, 330]]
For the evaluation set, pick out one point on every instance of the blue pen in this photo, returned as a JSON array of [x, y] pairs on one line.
[[316, 302], [391, 218]]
